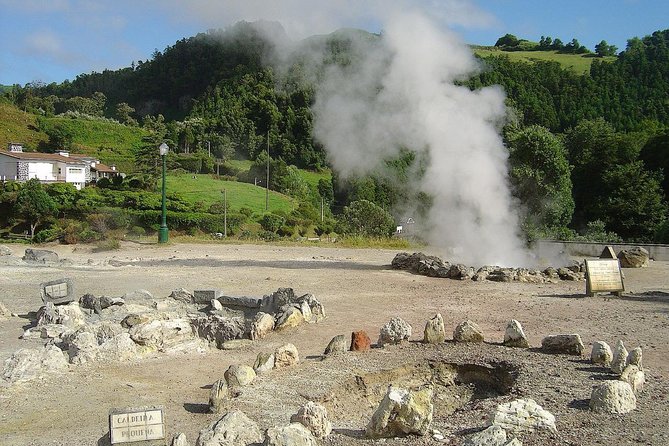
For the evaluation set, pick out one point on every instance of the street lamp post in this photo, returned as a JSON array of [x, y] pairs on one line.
[[163, 232]]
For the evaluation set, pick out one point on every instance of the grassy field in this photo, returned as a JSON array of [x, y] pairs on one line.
[[208, 190], [577, 62], [18, 126]]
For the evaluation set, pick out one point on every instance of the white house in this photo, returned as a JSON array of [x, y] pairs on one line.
[[17, 165]]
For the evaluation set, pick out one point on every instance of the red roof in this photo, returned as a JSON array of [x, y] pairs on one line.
[[103, 168]]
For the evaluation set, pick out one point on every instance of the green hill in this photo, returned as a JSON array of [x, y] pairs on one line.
[[579, 63], [18, 126]]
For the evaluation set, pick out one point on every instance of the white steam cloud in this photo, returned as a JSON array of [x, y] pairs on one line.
[[403, 94]]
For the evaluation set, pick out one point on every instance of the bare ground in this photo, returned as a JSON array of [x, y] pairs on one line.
[[359, 291]]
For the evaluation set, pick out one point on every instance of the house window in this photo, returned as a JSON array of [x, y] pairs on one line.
[[60, 171], [75, 170]]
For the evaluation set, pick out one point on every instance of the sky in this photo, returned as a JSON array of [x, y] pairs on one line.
[[54, 40]]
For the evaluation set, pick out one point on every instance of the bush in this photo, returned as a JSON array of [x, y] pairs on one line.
[[110, 244], [268, 236], [365, 218], [272, 222], [103, 183], [137, 231], [47, 235]]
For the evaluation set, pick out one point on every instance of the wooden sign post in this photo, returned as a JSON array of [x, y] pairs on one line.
[[603, 275]]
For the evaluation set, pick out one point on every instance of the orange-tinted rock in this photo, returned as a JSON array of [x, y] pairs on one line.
[[360, 342]]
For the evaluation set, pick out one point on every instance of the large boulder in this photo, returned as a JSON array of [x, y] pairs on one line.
[[69, 315], [568, 344], [40, 256], [295, 434], [162, 335], [635, 357], [182, 295], [634, 376], [619, 358], [219, 396], [514, 336], [394, 332], [239, 375], [434, 332], [613, 397], [360, 341], [264, 363], [286, 356], [522, 416], [601, 354], [634, 258], [27, 363], [492, 436], [262, 325], [314, 417], [338, 344], [402, 412], [233, 429], [218, 329], [288, 317], [468, 331]]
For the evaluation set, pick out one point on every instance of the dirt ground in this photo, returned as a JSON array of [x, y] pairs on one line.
[[359, 291]]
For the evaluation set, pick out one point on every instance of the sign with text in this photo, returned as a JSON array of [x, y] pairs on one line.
[[603, 275], [135, 425], [59, 291]]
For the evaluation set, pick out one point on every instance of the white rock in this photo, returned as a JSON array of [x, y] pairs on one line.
[[314, 417], [569, 344], [262, 325], [619, 358], [435, 331], [289, 318], [216, 305], [492, 436], [4, 312], [394, 332], [27, 364], [601, 354], [295, 434], [402, 412], [305, 309], [523, 416], [468, 331], [239, 375], [613, 397], [233, 429], [162, 334], [264, 363], [514, 336], [633, 376], [338, 344], [180, 440], [285, 356]]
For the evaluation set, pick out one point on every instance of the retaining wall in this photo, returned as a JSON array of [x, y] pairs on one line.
[[657, 252]]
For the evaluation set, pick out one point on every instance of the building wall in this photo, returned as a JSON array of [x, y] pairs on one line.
[[43, 171], [8, 168], [75, 175]]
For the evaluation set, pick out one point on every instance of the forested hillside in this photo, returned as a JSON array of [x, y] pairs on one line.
[[588, 150]]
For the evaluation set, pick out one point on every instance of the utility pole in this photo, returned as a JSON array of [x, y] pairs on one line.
[[321, 209], [267, 184], [225, 213], [209, 148]]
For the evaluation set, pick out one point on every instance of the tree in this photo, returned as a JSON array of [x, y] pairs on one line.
[[604, 49], [60, 138], [34, 204], [364, 218], [541, 176], [124, 112], [507, 41]]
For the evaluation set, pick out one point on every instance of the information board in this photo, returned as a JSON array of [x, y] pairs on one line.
[[603, 275], [135, 425]]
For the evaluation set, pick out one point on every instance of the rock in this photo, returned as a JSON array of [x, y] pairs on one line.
[[180, 440], [401, 412], [5, 251], [523, 416], [82, 347], [239, 375], [295, 434], [619, 358], [4, 312], [138, 295], [52, 331], [162, 335], [514, 336], [182, 295], [360, 342], [634, 258], [501, 275], [514, 442], [236, 344], [218, 329], [289, 318], [317, 309], [492, 436], [601, 354], [40, 255], [27, 363], [119, 348], [568, 344], [69, 315], [262, 325], [218, 396], [434, 332], [337, 345], [216, 305], [613, 397], [468, 331], [635, 357], [314, 417], [285, 356], [634, 376], [134, 319], [98, 304], [233, 429], [394, 332], [264, 363]]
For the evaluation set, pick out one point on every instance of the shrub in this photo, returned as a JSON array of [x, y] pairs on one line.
[[103, 183], [271, 222]]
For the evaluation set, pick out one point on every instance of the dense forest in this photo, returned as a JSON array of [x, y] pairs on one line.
[[588, 152]]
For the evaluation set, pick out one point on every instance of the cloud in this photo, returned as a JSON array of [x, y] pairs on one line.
[[47, 44]]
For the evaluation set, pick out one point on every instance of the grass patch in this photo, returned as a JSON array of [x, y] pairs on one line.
[[18, 126], [208, 190], [313, 177], [579, 63]]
